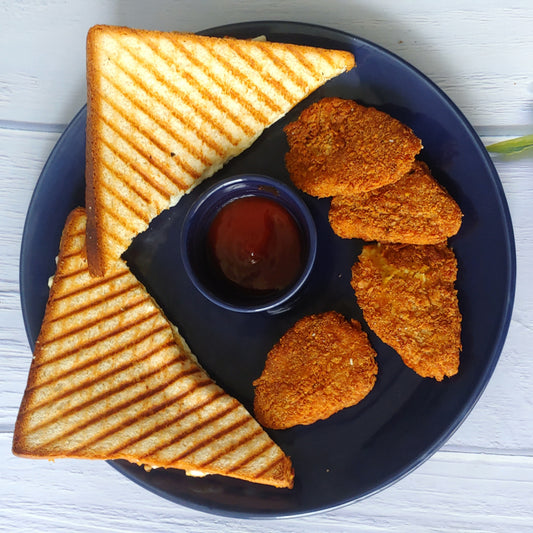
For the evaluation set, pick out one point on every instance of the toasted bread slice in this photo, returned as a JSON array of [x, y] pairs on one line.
[[413, 210], [166, 110], [111, 378]]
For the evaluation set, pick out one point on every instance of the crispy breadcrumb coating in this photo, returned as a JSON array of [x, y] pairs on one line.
[[413, 210], [338, 147], [321, 365], [407, 296]]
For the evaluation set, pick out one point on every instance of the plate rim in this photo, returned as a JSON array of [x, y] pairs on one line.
[[283, 26]]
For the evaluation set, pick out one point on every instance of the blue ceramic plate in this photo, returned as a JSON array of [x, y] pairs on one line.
[[405, 419]]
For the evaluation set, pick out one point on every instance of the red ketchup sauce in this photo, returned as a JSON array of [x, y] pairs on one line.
[[256, 244]]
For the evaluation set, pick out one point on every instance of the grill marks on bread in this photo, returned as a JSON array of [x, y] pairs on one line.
[[166, 110], [112, 379]]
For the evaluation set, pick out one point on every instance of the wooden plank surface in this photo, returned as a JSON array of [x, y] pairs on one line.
[[442, 495], [476, 51], [480, 53]]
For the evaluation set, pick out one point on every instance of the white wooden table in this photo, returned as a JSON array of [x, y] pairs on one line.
[[478, 51]]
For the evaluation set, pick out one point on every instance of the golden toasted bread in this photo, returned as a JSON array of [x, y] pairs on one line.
[[166, 110], [407, 296], [111, 378], [413, 210]]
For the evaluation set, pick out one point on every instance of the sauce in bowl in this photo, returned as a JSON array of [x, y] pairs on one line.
[[248, 244], [256, 244]]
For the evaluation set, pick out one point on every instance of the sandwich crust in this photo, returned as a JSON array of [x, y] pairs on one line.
[[339, 147]]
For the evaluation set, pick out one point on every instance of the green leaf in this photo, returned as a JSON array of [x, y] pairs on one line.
[[512, 146]]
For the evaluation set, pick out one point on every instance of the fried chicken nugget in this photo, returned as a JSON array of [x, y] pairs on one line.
[[338, 147], [413, 210], [321, 365], [407, 296]]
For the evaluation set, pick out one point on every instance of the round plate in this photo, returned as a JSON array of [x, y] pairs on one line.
[[405, 418]]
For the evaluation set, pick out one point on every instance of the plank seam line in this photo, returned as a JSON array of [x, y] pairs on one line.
[[40, 127]]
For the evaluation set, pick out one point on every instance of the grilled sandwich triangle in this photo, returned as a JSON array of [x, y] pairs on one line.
[[111, 378], [167, 110]]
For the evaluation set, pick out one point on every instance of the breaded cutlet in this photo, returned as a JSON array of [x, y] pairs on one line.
[[408, 298], [338, 147], [321, 365], [413, 210]]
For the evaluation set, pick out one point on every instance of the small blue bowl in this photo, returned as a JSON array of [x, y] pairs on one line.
[[195, 250]]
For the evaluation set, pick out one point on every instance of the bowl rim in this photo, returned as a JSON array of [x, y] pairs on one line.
[[303, 218]]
